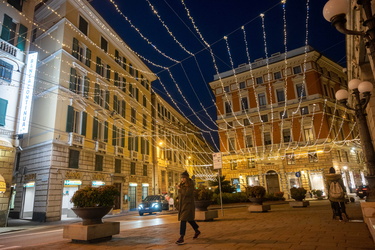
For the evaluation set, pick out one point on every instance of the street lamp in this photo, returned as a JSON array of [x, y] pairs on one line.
[[335, 12], [362, 93]]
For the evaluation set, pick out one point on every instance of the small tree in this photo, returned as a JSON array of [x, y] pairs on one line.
[[226, 186]]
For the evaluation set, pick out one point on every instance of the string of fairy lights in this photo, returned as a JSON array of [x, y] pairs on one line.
[[139, 131]]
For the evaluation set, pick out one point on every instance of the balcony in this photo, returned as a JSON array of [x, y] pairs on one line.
[[146, 158], [11, 50], [119, 151], [76, 139], [133, 155], [100, 146]]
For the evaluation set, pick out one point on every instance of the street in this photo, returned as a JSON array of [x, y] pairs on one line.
[[283, 227]]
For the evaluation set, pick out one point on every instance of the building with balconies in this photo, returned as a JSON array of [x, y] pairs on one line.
[[91, 116], [17, 67], [280, 125]]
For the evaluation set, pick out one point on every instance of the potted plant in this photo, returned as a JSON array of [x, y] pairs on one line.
[[202, 198], [318, 193], [256, 194], [298, 194], [91, 204]]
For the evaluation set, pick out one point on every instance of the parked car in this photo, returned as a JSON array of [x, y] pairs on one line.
[[153, 203], [361, 191]]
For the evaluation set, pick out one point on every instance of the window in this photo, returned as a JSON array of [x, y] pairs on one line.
[[226, 89], [78, 83], [259, 80], [313, 156], [6, 70], [12, 35], [248, 141], [144, 170], [131, 69], [117, 166], [103, 44], [100, 130], [300, 90], [231, 144], [277, 75], [304, 110], [98, 163], [81, 52], [242, 85], [290, 160], [280, 94], [132, 142], [345, 156], [83, 25], [267, 138], [286, 135], [132, 168], [73, 158], [229, 125], [339, 155], [16, 4], [133, 115], [76, 121], [145, 146], [283, 114], [264, 118], [117, 57], [297, 70], [250, 163], [118, 136], [233, 164], [309, 137], [228, 108], [262, 99], [3, 111], [244, 104], [144, 122], [246, 122], [144, 101]]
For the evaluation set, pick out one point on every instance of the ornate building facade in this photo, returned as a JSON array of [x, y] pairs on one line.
[[280, 125]]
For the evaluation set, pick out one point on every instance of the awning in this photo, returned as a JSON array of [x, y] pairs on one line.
[[3, 185]]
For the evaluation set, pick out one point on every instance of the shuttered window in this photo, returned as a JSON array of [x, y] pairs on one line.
[[3, 111]]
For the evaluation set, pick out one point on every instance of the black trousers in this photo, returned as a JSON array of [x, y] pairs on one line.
[[193, 224], [338, 208]]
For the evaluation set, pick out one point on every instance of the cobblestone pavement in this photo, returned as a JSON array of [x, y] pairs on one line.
[[283, 227]]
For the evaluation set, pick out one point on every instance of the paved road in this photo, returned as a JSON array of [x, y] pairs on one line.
[[281, 228]]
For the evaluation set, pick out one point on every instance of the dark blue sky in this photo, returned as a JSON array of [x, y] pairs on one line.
[[216, 19]]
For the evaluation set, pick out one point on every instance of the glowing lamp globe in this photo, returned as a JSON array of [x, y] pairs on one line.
[[354, 83], [335, 7], [365, 86], [342, 94]]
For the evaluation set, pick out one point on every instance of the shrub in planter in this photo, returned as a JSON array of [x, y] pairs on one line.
[[279, 196], [103, 196], [202, 193], [298, 193], [255, 191]]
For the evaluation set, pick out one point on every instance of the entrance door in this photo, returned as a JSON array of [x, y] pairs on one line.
[[272, 179], [132, 198], [118, 198], [68, 193], [28, 201]]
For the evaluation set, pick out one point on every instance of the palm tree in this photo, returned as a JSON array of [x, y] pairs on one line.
[[226, 186]]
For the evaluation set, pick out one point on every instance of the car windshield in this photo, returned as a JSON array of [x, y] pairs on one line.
[[152, 198]]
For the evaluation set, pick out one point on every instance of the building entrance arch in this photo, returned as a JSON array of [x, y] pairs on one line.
[[272, 181]]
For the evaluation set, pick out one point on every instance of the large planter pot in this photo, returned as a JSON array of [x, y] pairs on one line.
[[202, 205], [256, 201], [91, 215]]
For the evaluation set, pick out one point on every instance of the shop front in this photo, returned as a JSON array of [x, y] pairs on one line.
[[70, 187], [28, 200]]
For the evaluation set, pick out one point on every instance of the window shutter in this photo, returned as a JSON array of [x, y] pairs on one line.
[[86, 87], [130, 140], [115, 103], [98, 65], [72, 82], [75, 47], [122, 137], [3, 111], [114, 129], [116, 79], [88, 57], [70, 119], [95, 129], [142, 145], [108, 72], [97, 93], [123, 108], [84, 122], [22, 37], [107, 99], [106, 131], [136, 94], [7, 24], [136, 143]]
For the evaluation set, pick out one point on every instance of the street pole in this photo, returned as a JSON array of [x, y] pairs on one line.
[[221, 197]]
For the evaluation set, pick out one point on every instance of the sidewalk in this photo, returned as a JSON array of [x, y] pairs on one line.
[[282, 227]]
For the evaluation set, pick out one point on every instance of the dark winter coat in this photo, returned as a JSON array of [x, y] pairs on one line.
[[186, 206], [335, 177]]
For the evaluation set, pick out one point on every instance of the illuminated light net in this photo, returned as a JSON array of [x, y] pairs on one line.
[[208, 46]]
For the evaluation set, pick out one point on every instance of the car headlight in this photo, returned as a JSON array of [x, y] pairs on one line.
[[155, 205], [140, 206]]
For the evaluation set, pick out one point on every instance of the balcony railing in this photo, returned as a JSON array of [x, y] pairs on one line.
[[119, 151], [100, 146], [76, 139]]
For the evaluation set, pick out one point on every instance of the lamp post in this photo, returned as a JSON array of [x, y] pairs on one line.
[[362, 93]]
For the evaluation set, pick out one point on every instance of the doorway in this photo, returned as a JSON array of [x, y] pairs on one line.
[[132, 198], [118, 198], [28, 200], [272, 180]]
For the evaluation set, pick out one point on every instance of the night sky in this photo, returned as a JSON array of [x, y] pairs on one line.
[[216, 19]]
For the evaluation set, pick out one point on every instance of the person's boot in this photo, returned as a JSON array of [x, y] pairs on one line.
[[180, 241], [197, 233]]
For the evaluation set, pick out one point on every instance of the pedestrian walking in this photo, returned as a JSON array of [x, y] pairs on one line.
[[336, 195], [186, 207]]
